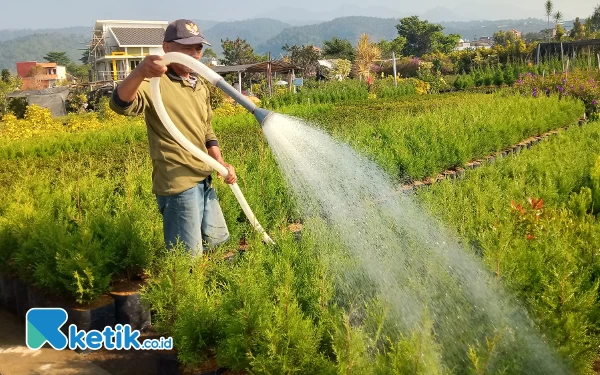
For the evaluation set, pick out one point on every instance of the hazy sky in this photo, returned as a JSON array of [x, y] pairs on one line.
[[17, 14]]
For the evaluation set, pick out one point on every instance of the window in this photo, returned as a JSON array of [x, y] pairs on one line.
[[134, 63]]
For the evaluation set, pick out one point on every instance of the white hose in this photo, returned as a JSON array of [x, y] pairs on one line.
[[212, 77]]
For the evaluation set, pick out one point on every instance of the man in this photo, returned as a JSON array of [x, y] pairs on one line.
[[181, 182]]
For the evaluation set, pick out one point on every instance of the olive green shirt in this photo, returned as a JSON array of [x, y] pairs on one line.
[[174, 169]]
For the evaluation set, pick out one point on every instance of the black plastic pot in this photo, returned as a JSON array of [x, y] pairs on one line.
[[36, 297], [7, 293], [96, 315], [168, 364], [129, 310], [21, 298]]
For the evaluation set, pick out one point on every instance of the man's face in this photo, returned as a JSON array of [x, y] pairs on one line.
[[193, 50]]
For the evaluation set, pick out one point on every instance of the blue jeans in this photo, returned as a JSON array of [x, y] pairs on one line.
[[193, 217]]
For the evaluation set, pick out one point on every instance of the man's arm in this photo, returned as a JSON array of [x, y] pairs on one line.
[[215, 153], [126, 100]]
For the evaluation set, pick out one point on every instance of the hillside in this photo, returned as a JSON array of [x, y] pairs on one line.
[[8, 34], [471, 29], [346, 28], [36, 46], [255, 31], [264, 34]]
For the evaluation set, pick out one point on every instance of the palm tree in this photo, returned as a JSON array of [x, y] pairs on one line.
[[549, 8], [558, 17]]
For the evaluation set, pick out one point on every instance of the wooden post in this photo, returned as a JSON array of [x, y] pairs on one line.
[[293, 78], [589, 59], [598, 55], [539, 48], [394, 69], [562, 57], [269, 73], [240, 81]]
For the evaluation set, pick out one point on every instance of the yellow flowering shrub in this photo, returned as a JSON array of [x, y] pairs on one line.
[[228, 109], [9, 119], [38, 120], [421, 87], [105, 113], [38, 117]]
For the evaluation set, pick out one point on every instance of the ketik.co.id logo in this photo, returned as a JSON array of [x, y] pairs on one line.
[[44, 324]]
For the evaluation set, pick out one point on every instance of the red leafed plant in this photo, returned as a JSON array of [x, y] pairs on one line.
[[529, 215]]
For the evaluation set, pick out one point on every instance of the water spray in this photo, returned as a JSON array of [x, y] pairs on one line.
[[217, 80]]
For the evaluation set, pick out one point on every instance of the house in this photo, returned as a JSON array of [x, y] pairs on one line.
[[516, 33], [38, 76], [118, 46], [550, 32], [463, 45]]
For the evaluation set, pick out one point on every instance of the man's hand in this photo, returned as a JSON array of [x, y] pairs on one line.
[[231, 177], [148, 68]]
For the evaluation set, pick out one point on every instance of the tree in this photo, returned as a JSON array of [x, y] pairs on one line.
[[558, 17], [341, 69], [445, 43], [549, 7], [5, 75], [395, 45], [338, 49], [60, 58], [560, 32], [305, 57], [238, 52], [594, 21], [85, 57], [423, 37], [209, 53], [6, 87], [366, 54], [578, 31], [80, 72], [503, 38]]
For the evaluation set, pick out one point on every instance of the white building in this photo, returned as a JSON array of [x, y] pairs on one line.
[[463, 45], [118, 46]]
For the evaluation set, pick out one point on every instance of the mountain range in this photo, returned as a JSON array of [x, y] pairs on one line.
[[264, 34]]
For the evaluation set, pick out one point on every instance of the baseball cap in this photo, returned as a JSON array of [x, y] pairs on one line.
[[184, 32]]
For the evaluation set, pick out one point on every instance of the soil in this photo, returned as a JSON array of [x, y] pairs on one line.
[[295, 227], [103, 300], [124, 287]]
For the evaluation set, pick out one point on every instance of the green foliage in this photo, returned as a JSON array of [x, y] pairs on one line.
[[395, 45], [8, 84], [457, 130], [209, 53], [341, 69], [60, 58], [423, 37], [504, 38], [577, 32], [306, 57], [238, 52], [320, 92], [337, 48], [530, 218], [79, 71]]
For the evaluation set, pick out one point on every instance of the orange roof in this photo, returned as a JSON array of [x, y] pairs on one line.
[[47, 65]]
